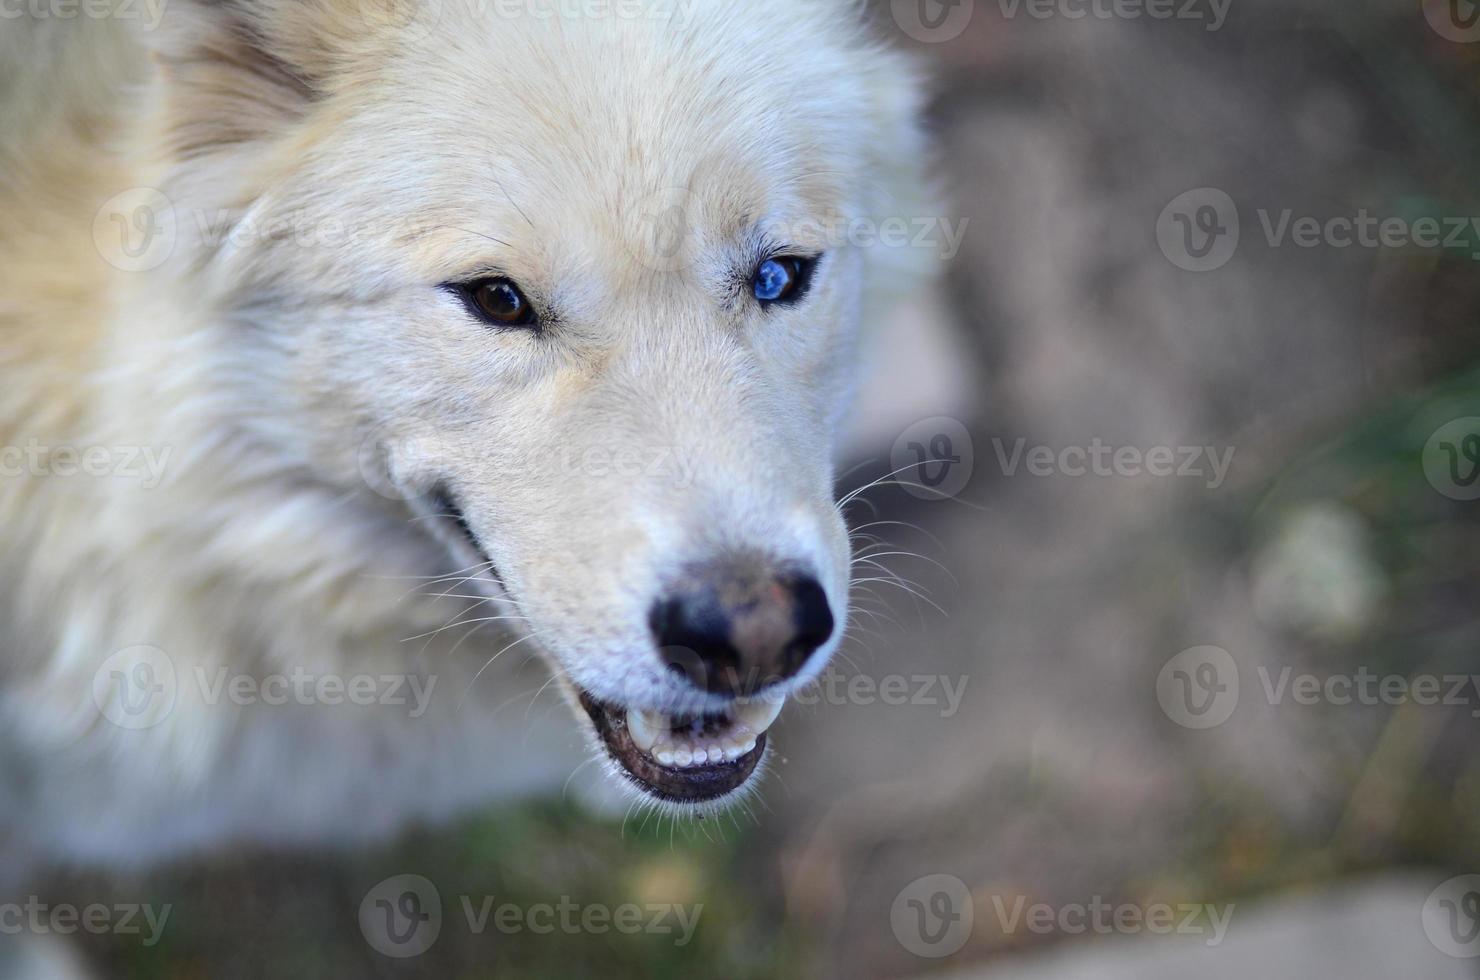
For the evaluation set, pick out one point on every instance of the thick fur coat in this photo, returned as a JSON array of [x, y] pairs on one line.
[[232, 381]]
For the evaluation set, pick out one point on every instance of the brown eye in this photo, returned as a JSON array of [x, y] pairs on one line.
[[500, 303]]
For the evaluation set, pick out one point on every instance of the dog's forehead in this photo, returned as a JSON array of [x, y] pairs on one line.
[[554, 150], [591, 118]]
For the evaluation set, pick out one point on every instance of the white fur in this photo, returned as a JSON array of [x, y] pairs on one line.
[[272, 370]]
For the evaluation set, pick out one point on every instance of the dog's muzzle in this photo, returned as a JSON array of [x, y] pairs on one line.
[[736, 629]]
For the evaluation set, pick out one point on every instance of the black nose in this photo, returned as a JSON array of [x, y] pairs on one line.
[[738, 628]]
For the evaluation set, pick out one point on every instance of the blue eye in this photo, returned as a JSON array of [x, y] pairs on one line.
[[781, 280]]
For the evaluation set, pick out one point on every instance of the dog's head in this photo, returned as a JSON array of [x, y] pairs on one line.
[[579, 281]]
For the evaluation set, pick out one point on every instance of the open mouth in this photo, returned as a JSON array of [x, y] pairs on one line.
[[685, 758], [678, 758]]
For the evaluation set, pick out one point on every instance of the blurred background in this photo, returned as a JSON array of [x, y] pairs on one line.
[[1164, 665]]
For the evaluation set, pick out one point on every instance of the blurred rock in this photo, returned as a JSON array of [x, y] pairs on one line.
[[1319, 575]]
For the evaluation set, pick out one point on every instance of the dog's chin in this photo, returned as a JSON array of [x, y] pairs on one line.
[[693, 760]]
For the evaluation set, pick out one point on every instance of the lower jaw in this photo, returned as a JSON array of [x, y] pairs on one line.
[[684, 785], [677, 784]]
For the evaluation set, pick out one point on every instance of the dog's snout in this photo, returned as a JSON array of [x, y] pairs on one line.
[[735, 630]]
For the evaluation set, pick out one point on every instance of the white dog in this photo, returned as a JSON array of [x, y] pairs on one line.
[[346, 345]]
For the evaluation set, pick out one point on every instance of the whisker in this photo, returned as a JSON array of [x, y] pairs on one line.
[[887, 478], [543, 687], [905, 588], [906, 524], [523, 639], [463, 595], [466, 622], [873, 483], [909, 554], [565, 788], [892, 574], [427, 578]]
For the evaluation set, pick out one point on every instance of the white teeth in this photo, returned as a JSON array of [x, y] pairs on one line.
[[644, 727], [734, 750], [758, 715], [652, 733]]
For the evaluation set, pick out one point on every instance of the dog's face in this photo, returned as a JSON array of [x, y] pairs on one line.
[[574, 290]]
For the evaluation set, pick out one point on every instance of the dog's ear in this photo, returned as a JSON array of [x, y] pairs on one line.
[[238, 70]]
